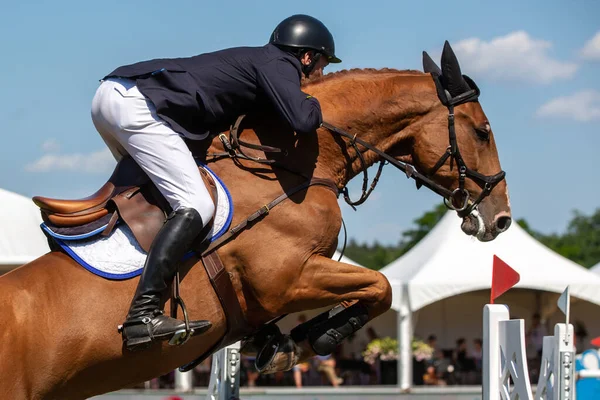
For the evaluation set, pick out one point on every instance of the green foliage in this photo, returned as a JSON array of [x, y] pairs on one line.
[[580, 243], [424, 224]]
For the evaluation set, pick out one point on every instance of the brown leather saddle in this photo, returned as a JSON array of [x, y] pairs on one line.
[[128, 195]]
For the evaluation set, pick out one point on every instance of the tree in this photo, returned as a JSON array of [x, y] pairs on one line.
[[581, 241]]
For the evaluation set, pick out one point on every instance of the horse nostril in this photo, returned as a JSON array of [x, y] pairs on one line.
[[503, 222]]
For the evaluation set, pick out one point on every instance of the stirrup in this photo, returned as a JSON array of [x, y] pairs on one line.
[[145, 332], [181, 336]]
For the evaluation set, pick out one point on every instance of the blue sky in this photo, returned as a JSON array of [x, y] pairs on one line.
[[536, 63]]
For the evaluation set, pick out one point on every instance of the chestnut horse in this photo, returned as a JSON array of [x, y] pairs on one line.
[[59, 322]]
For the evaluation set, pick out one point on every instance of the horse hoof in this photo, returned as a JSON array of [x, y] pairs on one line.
[[253, 345], [275, 357]]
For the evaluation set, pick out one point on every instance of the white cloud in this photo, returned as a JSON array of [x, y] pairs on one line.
[[97, 162], [581, 106], [50, 145], [591, 48], [516, 56]]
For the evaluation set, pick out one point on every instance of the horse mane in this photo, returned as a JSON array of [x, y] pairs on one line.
[[358, 72]]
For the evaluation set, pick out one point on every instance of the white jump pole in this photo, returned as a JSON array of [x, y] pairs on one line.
[[225, 374], [505, 372], [492, 315]]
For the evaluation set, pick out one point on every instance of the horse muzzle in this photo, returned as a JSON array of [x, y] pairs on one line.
[[475, 225]]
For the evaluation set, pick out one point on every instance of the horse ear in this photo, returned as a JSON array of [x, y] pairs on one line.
[[430, 66], [452, 77]]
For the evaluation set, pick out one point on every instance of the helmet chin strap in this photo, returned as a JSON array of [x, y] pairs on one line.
[[307, 69]]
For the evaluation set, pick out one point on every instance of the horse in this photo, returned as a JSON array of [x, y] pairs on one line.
[[59, 333]]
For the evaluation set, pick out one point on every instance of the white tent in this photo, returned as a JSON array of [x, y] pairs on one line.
[[447, 262], [596, 269], [21, 239]]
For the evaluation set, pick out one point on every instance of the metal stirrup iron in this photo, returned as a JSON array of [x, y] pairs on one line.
[[180, 337]]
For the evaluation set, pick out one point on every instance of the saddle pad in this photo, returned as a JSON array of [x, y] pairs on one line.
[[119, 256]]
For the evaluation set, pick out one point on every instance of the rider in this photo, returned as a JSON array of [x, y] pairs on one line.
[[147, 110]]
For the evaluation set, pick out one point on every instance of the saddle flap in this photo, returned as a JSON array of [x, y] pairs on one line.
[[140, 210]]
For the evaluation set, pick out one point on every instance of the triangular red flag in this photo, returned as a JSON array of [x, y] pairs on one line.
[[503, 278], [596, 342]]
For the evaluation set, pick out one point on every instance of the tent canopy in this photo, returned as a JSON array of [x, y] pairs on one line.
[[596, 268], [447, 262], [21, 239]]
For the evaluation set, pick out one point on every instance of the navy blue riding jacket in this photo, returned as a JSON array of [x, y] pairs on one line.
[[209, 91]]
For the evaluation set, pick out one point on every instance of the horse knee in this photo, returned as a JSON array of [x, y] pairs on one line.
[[383, 295]]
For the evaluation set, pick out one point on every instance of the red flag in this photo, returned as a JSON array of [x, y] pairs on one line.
[[596, 342], [503, 278]]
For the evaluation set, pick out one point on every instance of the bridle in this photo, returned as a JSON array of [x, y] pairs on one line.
[[458, 199]]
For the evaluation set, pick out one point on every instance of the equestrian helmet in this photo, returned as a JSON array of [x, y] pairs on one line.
[[305, 32]]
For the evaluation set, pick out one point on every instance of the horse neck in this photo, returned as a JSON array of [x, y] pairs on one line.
[[383, 109]]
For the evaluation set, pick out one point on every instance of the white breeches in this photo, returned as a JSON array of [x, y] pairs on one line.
[[128, 123]]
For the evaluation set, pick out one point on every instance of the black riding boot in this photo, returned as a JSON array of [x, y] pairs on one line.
[[145, 321]]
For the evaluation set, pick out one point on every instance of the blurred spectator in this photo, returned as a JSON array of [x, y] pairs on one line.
[[477, 356], [477, 353], [437, 353], [326, 365], [535, 337], [431, 377], [247, 367], [580, 335], [465, 366], [298, 370]]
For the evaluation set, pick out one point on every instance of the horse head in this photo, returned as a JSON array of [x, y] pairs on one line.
[[473, 174], [430, 125]]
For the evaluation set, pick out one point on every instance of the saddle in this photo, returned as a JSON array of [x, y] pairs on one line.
[[128, 195]]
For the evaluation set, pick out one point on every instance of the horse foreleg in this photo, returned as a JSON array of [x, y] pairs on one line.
[[362, 295]]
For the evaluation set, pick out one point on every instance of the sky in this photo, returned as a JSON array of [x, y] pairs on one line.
[[536, 63]]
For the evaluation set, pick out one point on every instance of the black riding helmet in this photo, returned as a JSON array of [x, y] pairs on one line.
[[304, 32]]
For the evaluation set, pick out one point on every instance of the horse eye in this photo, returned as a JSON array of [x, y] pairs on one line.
[[483, 134]]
